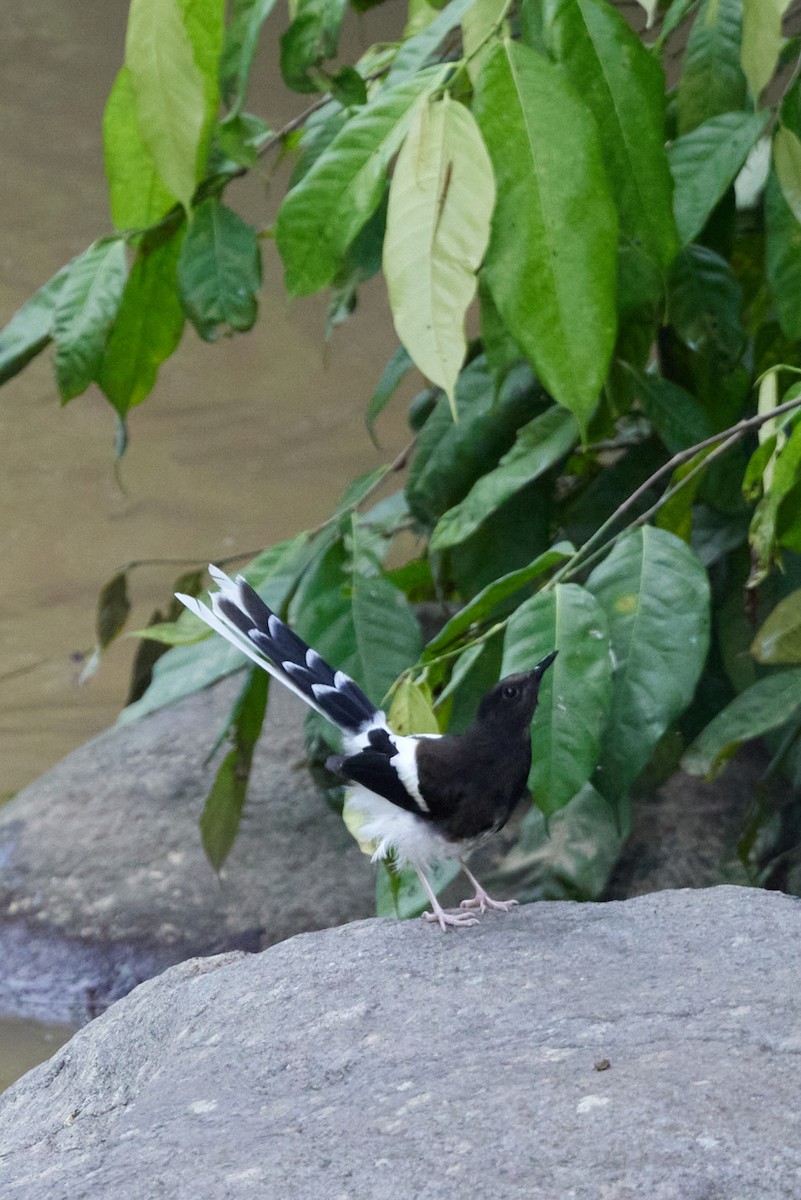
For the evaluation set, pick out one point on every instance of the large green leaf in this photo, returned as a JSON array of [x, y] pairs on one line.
[[538, 446], [762, 41], [712, 80], [705, 162], [147, 329], [576, 690], [321, 216], [169, 92], [219, 271], [655, 594], [783, 258], [766, 705], [779, 639], [31, 327], [416, 50], [87, 306], [438, 223], [624, 86], [137, 196], [239, 48], [552, 255]]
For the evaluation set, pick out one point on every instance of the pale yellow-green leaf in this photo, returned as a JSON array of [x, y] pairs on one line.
[[412, 708], [477, 24], [355, 818], [438, 223], [762, 41], [787, 160], [169, 92]]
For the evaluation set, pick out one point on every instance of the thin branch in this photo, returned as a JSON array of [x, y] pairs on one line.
[[397, 464]]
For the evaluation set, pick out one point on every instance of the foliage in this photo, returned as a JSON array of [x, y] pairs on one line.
[[612, 466]]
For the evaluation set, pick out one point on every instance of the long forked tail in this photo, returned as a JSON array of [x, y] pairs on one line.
[[240, 615]]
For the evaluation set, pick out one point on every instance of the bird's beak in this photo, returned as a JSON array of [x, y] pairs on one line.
[[543, 666]]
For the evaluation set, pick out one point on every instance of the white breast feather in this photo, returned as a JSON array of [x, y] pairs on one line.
[[389, 828]]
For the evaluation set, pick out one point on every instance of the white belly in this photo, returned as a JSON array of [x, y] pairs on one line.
[[381, 829]]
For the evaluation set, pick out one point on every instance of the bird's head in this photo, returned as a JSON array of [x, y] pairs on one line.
[[512, 701]]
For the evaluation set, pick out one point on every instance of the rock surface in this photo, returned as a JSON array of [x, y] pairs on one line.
[[104, 882], [623, 1051]]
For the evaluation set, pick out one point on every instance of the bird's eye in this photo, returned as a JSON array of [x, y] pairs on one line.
[[510, 691]]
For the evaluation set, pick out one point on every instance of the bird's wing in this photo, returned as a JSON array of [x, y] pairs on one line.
[[387, 765]]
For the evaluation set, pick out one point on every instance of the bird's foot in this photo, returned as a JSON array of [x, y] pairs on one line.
[[483, 902], [449, 920]]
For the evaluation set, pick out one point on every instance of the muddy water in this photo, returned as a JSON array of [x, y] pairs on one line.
[[242, 443]]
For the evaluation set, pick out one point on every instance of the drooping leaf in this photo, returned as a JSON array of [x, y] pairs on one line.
[[312, 38], [762, 41], [783, 477], [538, 446], [222, 812], [624, 86], [169, 92], [416, 50], [321, 216], [239, 48], [137, 195], [779, 639], [147, 329], [783, 258], [30, 330], [391, 377], [348, 87], [87, 306], [438, 222], [712, 80], [655, 594], [412, 708], [551, 260], [704, 163], [219, 270], [787, 161], [766, 705], [575, 692]]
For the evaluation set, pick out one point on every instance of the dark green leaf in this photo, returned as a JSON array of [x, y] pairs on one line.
[[239, 48], [779, 639], [762, 534], [551, 260], [415, 52], [87, 306], [400, 893], [312, 38], [395, 370], [113, 607], [31, 328], [237, 142], [676, 416], [386, 631], [712, 80], [500, 347], [219, 271], [348, 87], [765, 706], [783, 258], [704, 304], [655, 594], [575, 692]]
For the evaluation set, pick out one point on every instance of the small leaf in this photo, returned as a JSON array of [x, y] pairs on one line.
[[478, 22], [113, 607], [219, 270], [169, 92], [87, 307], [348, 87], [575, 692], [412, 709], [787, 161], [239, 48], [438, 221], [678, 418], [712, 80], [395, 370], [415, 52], [766, 705], [779, 639], [762, 41], [312, 38], [30, 330]]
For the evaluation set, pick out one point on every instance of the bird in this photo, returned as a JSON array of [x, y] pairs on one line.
[[421, 797]]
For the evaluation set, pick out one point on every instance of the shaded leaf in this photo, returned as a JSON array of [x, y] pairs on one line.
[[551, 260], [87, 306], [779, 639], [786, 470], [712, 80], [705, 302], [676, 416], [386, 632], [783, 258], [400, 893], [440, 206], [219, 271], [30, 330], [765, 706], [575, 692], [412, 708], [113, 607], [395, 370], [312, 38], [787, 161], [416, 50], [676, 514], [239, 48], [348, 87]]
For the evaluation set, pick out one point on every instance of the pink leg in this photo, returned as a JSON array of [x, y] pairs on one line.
[[481, 900], [446, 920]]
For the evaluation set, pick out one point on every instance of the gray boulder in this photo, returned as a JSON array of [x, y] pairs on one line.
[[562, 1052], [104, 882]]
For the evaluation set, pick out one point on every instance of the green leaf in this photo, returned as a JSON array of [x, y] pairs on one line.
[[705, 162], [137, 196], [489, 599], [762, 41], [478, 22], [500, 347], [765, 706], [779, 639], [239, 48], [147, 329], [783, 258], [676, 416], [552, 255], [320, 217], [762, 534], [87, 306], [676, 514], [438, 222], [538, 446], [312, 37], [169, 92], [30, 330], [705, 304], [348, 87], [787, 161], [655, 594], [222, 812], [415, 52], [412, 708], [219, 270], [237, 142], [575, 692], [623, 85], [400, 893], [712, 80], [386, 632], [395, 370]]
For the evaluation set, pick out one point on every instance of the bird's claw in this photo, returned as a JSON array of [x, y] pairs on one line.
[[450, 920], [483, 902]]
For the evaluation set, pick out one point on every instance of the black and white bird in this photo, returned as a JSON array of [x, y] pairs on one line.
[[422, 797]]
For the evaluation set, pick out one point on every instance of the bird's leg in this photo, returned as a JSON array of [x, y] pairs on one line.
[[481, 900], [446, 920]]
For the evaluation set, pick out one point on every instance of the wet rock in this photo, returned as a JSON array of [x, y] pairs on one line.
[[103, 880], [599, 1052]]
